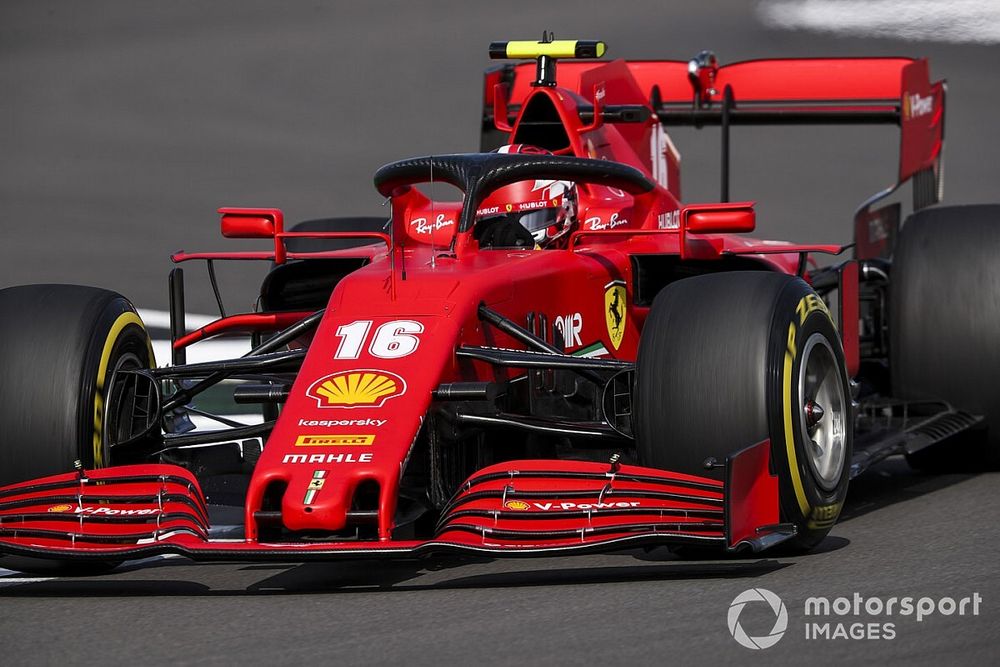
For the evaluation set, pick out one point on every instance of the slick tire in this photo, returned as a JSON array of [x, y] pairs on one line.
[[944, 323], [60, 346], [730, 359]]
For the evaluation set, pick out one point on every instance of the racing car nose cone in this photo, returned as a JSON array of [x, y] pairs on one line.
[[814, 413]]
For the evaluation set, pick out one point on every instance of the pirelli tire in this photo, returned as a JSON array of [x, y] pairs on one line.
[[61, 346], [944, 324], [730, 359]]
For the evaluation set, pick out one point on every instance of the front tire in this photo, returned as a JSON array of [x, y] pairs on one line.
[[61, 347], [730, 359]]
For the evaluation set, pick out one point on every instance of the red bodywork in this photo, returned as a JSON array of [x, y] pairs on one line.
[[389, 336]]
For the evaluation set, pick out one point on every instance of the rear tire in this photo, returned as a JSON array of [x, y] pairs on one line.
[[944, 322], [730, 359], [61, 347]]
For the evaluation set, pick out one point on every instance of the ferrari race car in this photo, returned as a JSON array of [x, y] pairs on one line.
[[566, 359]]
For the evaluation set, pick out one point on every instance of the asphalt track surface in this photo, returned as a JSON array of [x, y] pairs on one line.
[[124, 125]]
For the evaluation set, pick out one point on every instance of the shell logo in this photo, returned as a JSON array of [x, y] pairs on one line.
[[364, 388], [518, 505], [60, 508]]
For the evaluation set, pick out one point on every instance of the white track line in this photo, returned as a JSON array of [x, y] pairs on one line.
[[209, 350], [10, 578], [160, 319], [20, 581], [957, 21], [208, 424]]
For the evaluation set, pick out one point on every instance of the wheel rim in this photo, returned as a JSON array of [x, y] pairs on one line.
[[822, 411], [109, 436]]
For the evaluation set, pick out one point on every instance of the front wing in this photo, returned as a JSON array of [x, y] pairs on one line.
[[517, 508]]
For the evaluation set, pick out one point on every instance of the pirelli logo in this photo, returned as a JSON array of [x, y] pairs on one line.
[[335, 440]]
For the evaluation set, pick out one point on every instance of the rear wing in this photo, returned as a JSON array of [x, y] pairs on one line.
[[787, 91]]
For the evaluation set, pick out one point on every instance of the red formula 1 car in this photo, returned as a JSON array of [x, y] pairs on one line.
[[567, 359]]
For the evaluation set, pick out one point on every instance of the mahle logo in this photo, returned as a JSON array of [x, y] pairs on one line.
[[780, 618]]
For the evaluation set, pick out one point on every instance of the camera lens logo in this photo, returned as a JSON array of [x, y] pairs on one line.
[[780, 618]]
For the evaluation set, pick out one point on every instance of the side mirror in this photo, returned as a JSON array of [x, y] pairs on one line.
[[696, 219], [251, 223], [734, 218]]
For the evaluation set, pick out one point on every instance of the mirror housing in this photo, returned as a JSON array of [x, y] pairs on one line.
[[251, 223], [736, 218], [723, 218]]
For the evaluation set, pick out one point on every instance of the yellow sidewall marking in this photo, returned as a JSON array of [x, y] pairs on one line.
[[793, 465], [825, 516], [123, 321]]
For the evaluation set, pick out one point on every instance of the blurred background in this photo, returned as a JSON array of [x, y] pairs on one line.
[[125, 124]]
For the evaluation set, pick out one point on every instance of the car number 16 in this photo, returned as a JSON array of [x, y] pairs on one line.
[[392, 340]]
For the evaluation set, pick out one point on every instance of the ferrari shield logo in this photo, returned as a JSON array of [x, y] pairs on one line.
[[315, 484], [615, 311]]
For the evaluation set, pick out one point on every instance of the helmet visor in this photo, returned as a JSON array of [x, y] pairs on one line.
[[535, 221]]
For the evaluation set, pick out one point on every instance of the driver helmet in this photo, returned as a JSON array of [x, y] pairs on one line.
[[545, 208]]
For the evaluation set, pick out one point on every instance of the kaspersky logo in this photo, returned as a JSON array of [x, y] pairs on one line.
[[356, 389]]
